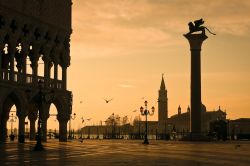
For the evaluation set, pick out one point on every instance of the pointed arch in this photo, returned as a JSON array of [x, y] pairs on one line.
[[18, 99]]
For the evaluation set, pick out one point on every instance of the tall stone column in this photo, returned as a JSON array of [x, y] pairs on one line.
[[64, 77], [195, 41], [21, 129]]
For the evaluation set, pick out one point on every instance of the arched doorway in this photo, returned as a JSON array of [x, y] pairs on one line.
[[52, 123], [12, 124], [13, 105]]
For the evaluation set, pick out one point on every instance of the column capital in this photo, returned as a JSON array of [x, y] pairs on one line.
[[55, 52], [34, 63], [65, 59], [195, 40]]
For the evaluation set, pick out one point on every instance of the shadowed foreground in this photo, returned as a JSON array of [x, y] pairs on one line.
[[127, 152]]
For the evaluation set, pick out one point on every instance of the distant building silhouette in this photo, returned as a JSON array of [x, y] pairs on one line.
[[239, 128], [178, 124], [162, 106], [181, 121]]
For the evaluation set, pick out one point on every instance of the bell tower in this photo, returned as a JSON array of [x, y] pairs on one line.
[[162, 106]]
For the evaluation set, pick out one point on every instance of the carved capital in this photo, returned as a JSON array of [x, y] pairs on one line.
[[195, 40]]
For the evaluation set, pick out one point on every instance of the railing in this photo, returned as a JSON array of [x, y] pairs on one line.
[[29, 79]]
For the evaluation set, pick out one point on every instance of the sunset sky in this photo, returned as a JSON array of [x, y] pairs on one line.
[[120, 48]]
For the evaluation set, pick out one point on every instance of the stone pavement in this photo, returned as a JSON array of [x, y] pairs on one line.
[[127, 152]]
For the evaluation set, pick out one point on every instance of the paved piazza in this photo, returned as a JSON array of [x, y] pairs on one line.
[[127, 152]]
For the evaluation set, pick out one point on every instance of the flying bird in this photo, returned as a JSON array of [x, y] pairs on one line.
[[107, 101]]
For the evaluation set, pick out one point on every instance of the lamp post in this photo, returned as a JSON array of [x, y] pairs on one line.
[[12, 120], [39, 146], [40, 98], [71, 118], [145, 112]]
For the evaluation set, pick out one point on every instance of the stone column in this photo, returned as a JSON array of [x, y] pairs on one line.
[[195, 41], [34, 66], [32, 129], [1, 59], [64, 77], [11, 51], [63, 130], [44, 129], [1, 74], [32, 116], [55, 74], [21, 129], [56, 71], [46, 73], [19, 66], [24, 54], [46, 60], [44, 113], [3, 130], [24, 69]]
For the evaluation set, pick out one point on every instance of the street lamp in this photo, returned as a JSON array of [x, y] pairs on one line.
[[39, 146], [145, 112], [71, 118], [40, 98], [12, 120]]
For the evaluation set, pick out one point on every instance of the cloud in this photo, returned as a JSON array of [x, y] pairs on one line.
[[128, 25], [126, 86]]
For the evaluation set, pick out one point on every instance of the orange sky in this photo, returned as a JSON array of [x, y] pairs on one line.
[[120, 48]]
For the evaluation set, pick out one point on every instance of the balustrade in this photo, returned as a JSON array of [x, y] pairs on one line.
[[27, 79]]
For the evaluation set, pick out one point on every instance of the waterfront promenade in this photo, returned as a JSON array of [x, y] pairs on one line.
[[127, 152]]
